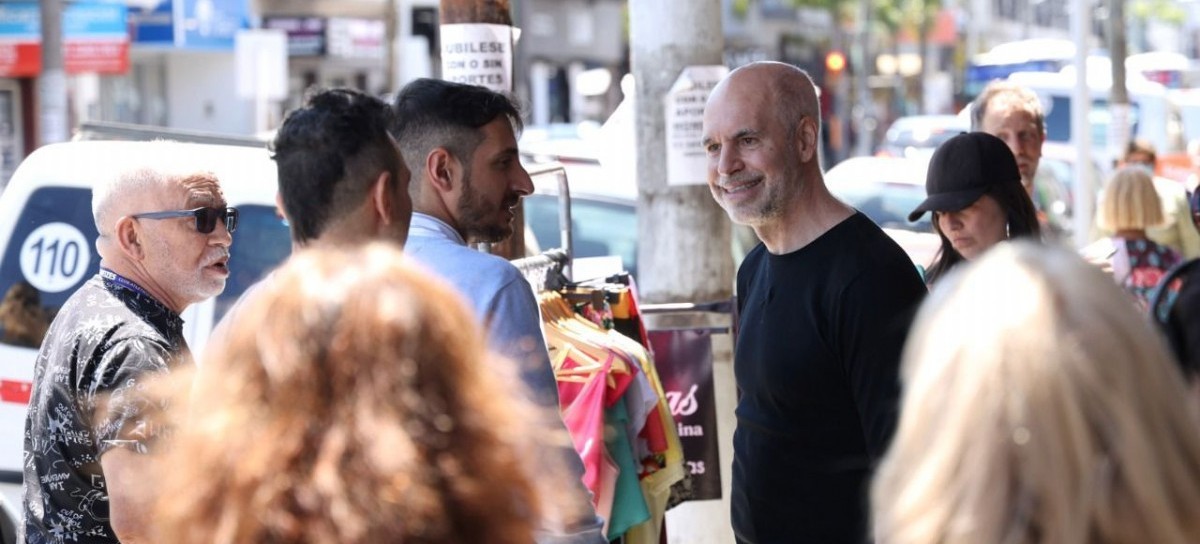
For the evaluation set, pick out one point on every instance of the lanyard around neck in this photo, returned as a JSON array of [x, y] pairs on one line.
[[123, 282]]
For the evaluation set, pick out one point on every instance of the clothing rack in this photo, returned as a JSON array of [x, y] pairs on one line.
[[545, 271], [560, 258]]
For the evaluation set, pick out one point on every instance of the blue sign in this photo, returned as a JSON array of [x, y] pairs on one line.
[[211, 24], [81, 20], [94, 20], [154, 26], [20, 20], [190, 24]]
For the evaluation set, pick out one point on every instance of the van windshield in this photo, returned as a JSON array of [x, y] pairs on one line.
[[52, 252]]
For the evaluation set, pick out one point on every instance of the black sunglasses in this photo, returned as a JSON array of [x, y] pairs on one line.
[[206, 218]]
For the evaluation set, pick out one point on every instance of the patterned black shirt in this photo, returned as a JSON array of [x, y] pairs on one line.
[[88, 398]]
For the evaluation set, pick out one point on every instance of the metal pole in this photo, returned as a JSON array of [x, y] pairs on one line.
[[52, 83]]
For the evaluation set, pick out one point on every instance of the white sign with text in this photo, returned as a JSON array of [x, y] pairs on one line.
[[478, 54], [684, 109]]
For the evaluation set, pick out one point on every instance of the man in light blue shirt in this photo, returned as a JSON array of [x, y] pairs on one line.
[[459, 141]]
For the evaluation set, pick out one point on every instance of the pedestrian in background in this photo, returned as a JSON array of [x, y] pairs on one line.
[[1129, 208], [346, 405], [1038, 408], [1175, 230], [824, 303], [975, 193], [164, 237]]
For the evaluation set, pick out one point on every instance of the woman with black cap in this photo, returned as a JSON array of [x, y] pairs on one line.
[[975, 193]]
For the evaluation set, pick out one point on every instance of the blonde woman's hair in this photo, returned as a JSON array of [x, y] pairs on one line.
[[1130, 202], [351, 402], [1038, 408]]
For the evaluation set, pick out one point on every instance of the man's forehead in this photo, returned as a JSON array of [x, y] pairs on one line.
[[201, 187]]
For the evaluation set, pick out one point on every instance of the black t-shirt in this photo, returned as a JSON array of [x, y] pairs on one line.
[[820, 336], [88, 398]]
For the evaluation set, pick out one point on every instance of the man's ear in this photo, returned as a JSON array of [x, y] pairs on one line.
[[129, 238], [280, 212], [806, 139], [440, 169], [382, 198]]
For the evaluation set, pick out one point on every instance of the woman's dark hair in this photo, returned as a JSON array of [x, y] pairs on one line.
[[1022, 222]]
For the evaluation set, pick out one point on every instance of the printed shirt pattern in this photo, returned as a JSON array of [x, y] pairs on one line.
[[89, 397], [1147, 263]]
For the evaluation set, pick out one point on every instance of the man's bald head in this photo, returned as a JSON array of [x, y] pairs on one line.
[[788, 89]]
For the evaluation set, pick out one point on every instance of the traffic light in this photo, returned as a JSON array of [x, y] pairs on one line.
[[835, 62]]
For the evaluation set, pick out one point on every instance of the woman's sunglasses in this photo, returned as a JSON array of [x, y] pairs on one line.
[[206, 218]]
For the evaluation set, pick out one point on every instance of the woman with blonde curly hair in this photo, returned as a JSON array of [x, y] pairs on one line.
[[350, 404], [1037, 408]]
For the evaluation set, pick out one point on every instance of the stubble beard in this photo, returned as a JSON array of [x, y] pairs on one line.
[[472, 217]]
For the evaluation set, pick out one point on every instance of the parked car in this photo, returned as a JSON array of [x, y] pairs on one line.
[[603, 212], [916, 136], [887, 189], [47, 240]]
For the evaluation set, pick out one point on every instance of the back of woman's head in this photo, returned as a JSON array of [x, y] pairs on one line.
[[1130, 202], [350, 403], [1038, 408]]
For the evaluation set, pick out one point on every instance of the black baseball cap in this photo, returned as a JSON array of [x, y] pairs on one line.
[[963, 169]]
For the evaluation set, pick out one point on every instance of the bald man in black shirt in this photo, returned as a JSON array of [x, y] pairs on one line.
[[825, 303]]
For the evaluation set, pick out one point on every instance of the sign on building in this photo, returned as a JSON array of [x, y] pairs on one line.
[[94, 39]]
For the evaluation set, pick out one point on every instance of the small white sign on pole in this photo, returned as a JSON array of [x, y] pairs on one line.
[[261, 57], [479, 54], [684, 110]]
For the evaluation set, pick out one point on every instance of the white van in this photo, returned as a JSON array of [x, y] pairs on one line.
[[47, 249]]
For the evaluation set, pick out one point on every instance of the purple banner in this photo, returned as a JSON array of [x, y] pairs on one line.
[[685, 365]]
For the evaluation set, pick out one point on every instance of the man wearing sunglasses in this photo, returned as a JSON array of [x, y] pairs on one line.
[[164, 237]]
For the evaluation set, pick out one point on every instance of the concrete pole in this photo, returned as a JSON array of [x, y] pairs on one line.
[[52, 83], [684, 246], [683, 236]]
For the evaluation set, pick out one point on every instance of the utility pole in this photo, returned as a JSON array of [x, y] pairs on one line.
[[864, 114], [52, 83], [684, 241], [683, 236], [495, 12], [1119, 107]]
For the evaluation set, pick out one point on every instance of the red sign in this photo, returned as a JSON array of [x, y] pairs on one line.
[[97, 57], [79, 57], [20, 59]]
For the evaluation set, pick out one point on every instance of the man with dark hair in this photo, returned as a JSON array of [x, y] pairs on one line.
[[340, 178], [460, 143]]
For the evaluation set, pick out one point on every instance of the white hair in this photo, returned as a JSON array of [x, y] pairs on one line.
[[149, 166]]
